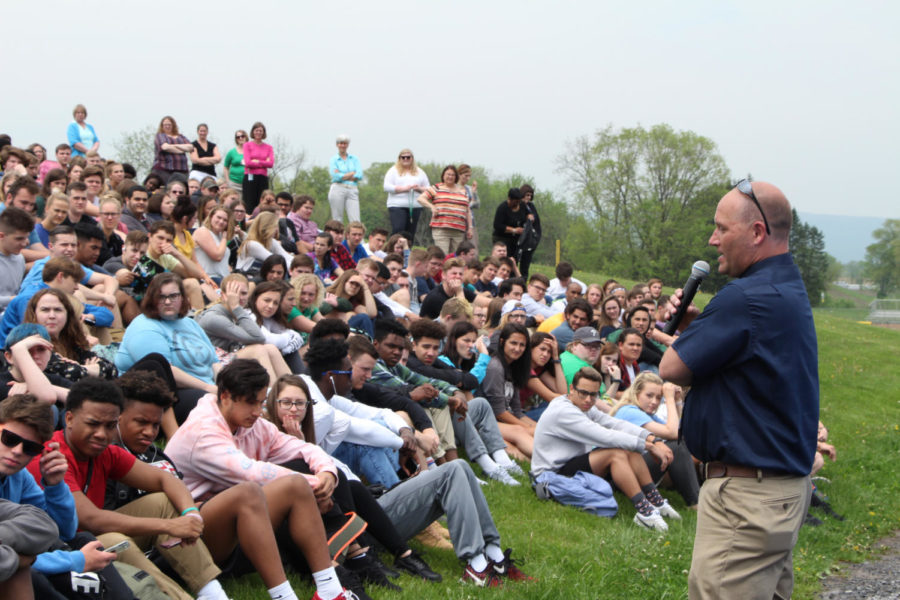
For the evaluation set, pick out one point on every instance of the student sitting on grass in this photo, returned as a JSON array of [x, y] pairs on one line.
[[573, 436]]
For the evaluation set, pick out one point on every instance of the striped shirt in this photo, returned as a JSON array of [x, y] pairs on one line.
[[451, 208]]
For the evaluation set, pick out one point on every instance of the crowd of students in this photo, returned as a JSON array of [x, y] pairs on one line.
[[228, 388]]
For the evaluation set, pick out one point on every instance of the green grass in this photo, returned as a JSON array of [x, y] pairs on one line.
[[577, 555]]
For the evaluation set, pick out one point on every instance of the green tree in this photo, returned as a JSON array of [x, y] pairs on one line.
[[882, 264], [807, 245], [136, 148], [649, 195]]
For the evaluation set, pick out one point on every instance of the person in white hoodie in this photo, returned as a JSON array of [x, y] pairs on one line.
[[573, 435]]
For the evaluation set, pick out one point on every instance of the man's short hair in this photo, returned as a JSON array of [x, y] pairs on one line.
[[456, 308], [490, 260], [634, 294], [165, 225], [146, 387], [285, 196], [435, 252], [383, 271], [325, 355], [428, 329], [302, 199], [93, 389], [136, 237], [356, 225], [62, 147], [580, 304], [88, 231], [588, 373], [242, 378], [134, 188], [539, 277], [379, 231], [76, 186], [498, 243], [417, 255], [327, 327], [564, 270], [61, 264], [653, 280], [465, 247], [393, 258], [507, 284], [386, 327], [629, 331], [60, 230], [23, 183], [367, 263], [92, 172], [453, 262], [25, 409], [15, 219], [302, 260], [358, 345], [334, 225]]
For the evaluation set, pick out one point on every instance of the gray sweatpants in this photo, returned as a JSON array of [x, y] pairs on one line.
[[450, 489], [478, 432], [26, 530]]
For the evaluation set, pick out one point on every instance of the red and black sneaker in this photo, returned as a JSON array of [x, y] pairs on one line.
[[507, 568], [486, 578]]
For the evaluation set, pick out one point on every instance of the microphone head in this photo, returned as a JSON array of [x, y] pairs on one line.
[[700, 269]]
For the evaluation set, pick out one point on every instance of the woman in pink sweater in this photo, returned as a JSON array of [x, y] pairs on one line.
[[258, 159]]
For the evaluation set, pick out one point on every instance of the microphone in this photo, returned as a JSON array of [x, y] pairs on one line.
[[698, 272]]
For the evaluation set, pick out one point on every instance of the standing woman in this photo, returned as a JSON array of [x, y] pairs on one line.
[[81, 135], [509, 221], [450, 216], [346, 173], [526, 251], [258, 159], [234, 161], [403, 182], [172, 150], [205, 155]]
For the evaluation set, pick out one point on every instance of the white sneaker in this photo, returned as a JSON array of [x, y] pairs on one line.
[[514, 469], [665, 509], [654, 521], [500, 474]]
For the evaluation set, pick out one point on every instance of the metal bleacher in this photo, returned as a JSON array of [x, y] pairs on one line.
[[884, 311]]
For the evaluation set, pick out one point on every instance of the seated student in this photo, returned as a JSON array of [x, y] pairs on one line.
[[370, 438], [15, 225], [506, 271], [476, 426], [78, 202], [25, 427], [630, 345], [121, 267], [72, 357], [373, 247], [451, 286], [301, 264], [164, 514], [559, 284], [634, 297], [639, 406], [300, 216], [573, 292], [651, 351], [473, 272], [546, 380], [394, 264], [22, 194], [323, 254], [163, 257], [438, 397], [27, 531], [224, 443], [608, 315], [485, 281], [573, 436], [27, 352], [578, 314], [417, 267], [506, 374], [582, 351], [134, 214], [534, 301], [512, 288], [434, 258], [376, 276], [511, 311], [237, 515], [265, 304], [353, 241], [55, 213], [455, 310]]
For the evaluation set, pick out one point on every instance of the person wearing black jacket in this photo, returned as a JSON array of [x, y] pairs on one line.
[[509, 221], [531, 234], [478, 429]]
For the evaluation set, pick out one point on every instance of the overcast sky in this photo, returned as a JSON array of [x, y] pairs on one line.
[[802, 94]]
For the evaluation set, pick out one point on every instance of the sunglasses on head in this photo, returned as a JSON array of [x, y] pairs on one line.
[[744, 187], [11, 440]]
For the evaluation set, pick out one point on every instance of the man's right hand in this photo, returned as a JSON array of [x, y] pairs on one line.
[[662, 453], [423, 392], [188, 528], [672, 307], [95, 558]]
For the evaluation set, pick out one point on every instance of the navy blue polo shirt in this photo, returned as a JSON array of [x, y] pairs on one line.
[[754, 399]]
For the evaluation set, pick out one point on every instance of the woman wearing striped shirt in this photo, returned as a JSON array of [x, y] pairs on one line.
[[450, 215]]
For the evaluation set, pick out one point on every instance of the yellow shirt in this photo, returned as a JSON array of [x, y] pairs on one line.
[[186, 247], [551, 323]]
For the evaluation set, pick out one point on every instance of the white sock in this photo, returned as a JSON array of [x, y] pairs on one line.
[[487, 465], [478, 562], [212, 591], [493, 552], [327, 583], [282, 591], [502, 458]]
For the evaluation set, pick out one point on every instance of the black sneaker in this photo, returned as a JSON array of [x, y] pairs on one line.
[[350, 581], [811, 520], [415, 566], [366, 568], [821, 502]]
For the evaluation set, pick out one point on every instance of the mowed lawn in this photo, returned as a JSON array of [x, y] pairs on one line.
[[576, 555]]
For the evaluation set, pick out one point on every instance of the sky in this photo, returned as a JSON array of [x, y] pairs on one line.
[[803, 94]]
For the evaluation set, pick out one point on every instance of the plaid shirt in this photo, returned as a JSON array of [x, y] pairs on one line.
[[400, 376], [342, 257]]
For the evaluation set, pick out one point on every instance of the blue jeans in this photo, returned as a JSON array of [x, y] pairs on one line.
[[377, 465]]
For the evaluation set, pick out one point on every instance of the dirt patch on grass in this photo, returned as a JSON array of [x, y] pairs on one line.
[[876, 579]]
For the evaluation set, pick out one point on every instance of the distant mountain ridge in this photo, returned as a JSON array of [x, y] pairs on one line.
[[846, 237]]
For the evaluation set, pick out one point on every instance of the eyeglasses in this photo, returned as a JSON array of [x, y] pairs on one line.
[[170, 297], [406, 158], [240, 136], [11, 440], [288, 404], [239, 211], [341, 372], [587, 394], [539, 288], [744, 187]]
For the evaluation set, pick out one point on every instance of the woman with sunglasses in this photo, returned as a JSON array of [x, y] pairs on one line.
[[234, 161], [403, 183]]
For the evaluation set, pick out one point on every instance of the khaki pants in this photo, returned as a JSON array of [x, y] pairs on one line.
[[193, 563], [442, 419], [746, 531], [447, 239]]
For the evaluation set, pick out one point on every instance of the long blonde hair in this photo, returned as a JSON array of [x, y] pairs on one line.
[[410, 169], [263, 230], [229, 229], [630, 395], [304, 279]]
